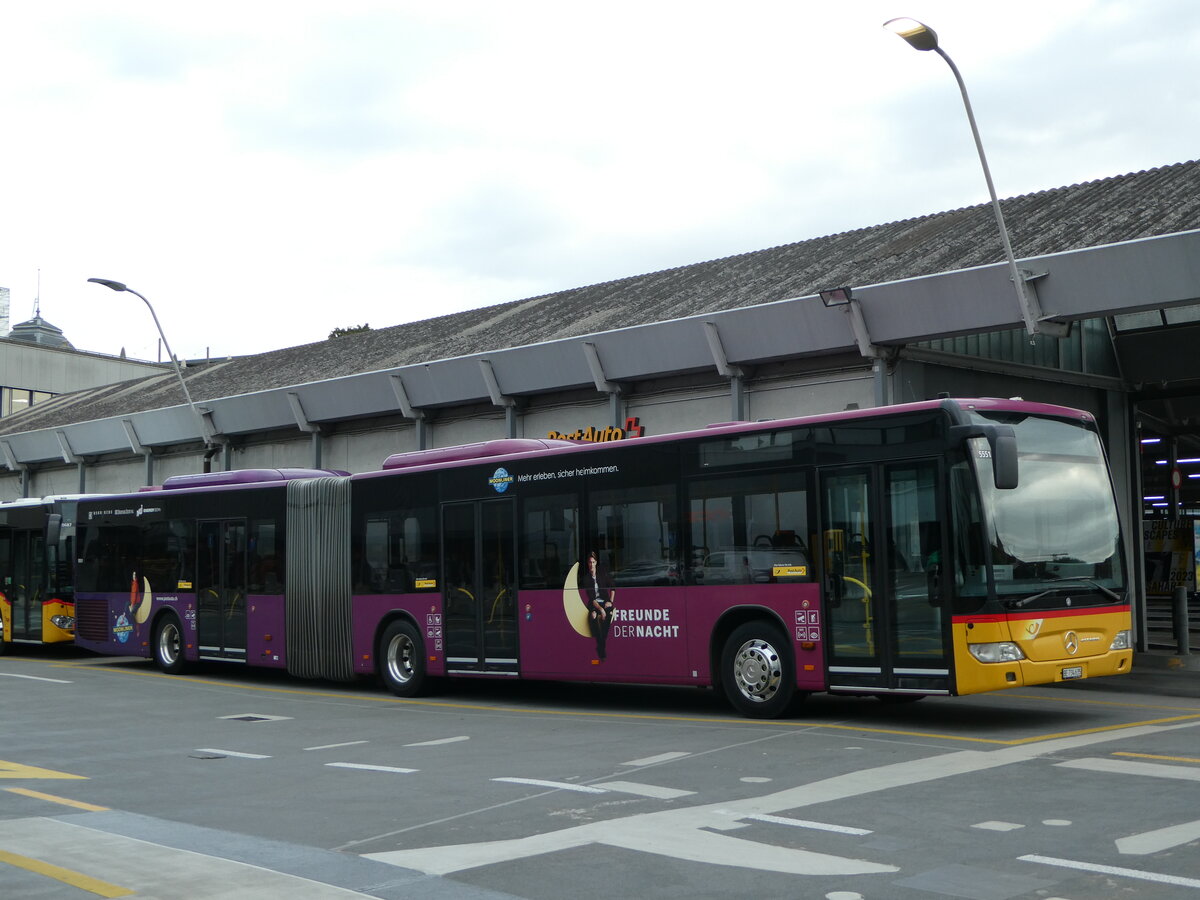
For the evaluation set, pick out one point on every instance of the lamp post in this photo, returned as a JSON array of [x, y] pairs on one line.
[[921, 37], [119, 286]]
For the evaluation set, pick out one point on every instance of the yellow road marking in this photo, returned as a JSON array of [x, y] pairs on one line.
[[771, 723], [38, 795], [1062, 699], [66, 876], [1186, 759], [16, 770]]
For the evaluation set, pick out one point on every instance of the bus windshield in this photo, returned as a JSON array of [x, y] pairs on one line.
[[1058, 525]]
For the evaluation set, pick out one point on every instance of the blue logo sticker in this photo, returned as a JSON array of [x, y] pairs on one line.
[[500, 480], [122, 629]]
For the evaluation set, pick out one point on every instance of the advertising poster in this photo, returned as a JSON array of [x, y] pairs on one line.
[[1170, 548]]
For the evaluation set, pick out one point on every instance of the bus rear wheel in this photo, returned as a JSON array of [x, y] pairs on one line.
[[168, 646], [402, 660], [757, 672]]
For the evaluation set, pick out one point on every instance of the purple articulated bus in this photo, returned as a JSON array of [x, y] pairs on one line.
[[941, 547]]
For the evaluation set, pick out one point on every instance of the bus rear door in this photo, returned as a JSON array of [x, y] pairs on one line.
[[479, 587], [882, 550], [221, 589]]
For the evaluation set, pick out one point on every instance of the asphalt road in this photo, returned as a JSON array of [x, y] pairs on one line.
[[116, 780]]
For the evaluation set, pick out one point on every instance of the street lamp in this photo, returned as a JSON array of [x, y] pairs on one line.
[[119, 286], [921, 37]]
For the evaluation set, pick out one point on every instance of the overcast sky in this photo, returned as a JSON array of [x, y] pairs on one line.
[[265, 172]]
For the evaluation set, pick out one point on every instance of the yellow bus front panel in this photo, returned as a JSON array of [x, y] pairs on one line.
[[1042, 647]]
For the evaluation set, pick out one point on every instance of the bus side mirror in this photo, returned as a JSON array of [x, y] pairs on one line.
[[53, 529], [1004, 456], [1002, 445]]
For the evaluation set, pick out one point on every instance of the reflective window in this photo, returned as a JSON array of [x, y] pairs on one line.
[[634, 535], [749, 530], [1061, 521], [549, 539]]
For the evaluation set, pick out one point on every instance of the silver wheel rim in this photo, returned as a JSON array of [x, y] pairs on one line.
[[168, 644], [757, 670], [400, 658]]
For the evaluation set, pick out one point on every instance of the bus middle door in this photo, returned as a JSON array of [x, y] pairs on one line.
[[221, 589], [479, 587]]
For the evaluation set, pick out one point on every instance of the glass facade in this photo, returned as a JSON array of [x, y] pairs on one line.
[[1087, 349]]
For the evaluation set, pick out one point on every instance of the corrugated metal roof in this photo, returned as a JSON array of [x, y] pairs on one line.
[[1143, 204]]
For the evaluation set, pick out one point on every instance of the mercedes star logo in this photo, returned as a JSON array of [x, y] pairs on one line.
[[1071, 642]]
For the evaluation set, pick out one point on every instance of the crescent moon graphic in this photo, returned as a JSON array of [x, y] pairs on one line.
[[572, 603], [142, 612]]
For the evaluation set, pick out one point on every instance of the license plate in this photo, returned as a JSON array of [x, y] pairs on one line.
[[1072, 672]]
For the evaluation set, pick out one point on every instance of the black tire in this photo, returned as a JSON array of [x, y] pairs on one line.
[[757, 671], [402, 660], [168, 646]]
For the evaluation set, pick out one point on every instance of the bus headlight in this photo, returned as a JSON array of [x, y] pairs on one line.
[[66, 623], [998, 652], [1122, 641]]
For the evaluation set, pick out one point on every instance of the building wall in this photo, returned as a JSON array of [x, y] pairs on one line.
[[801, 396], [59, 371]]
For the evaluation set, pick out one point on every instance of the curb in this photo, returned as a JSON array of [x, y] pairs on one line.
[[1166, 661]]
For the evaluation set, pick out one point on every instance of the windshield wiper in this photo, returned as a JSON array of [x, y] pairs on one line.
[[1025, 601]]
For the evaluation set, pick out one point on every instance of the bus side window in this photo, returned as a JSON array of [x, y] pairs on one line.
[[549, 540], [635, 530], [266, 564], [750, 529], [398, 552]]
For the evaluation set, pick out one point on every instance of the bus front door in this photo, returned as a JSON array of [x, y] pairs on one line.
[[479, 587], [221, 589], [882, 549]]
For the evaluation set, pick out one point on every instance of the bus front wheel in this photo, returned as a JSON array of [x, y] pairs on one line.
[[168, 646], [402, 660], [757, 672]]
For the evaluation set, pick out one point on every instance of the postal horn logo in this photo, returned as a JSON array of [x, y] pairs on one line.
[[500, 480]]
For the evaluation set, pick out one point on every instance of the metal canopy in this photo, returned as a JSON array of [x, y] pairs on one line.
[[1141, 275]]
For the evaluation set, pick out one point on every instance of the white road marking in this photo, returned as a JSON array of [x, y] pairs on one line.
[[232, 753], [393, 769], [998, 826], [1157, 877], [802, 823], [655, 760], [1159, 839], [257, 717], [557, 785], [685, 833], [1125, 767], [453, 740], [36, 678], [336, 746], [644, 790]]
